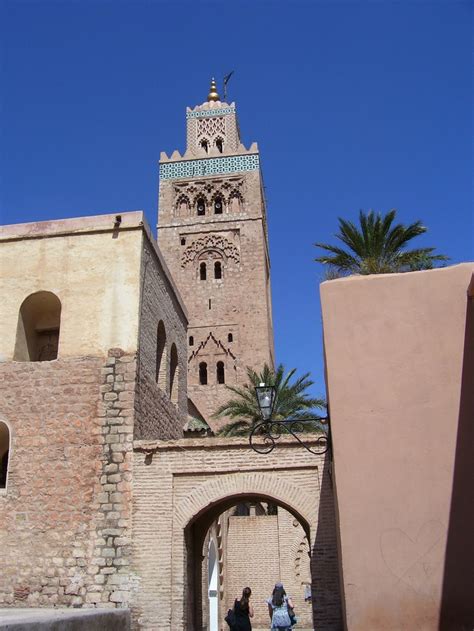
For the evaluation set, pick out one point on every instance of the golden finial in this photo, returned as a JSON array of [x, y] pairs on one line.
[[213, 95]]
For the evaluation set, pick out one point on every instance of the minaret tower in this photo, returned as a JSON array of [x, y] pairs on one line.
[[212, 232]]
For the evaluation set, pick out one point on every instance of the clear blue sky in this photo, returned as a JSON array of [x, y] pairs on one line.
[[353, 104]]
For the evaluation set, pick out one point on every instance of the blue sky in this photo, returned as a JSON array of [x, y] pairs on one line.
[[354, 105]]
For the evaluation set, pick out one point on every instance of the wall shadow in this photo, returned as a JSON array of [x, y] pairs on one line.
[[457, 600], [325, 584]]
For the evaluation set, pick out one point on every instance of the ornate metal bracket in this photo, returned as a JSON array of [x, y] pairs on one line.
[[265, 435]]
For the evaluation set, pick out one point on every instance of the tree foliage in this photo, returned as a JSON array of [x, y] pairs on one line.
[[377, 246], [291, 400]]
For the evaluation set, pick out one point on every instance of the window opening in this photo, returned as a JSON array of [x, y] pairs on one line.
[[201, 207], [202, 271], [205, 145], [183, 241], [174, 370], [218, 206], [4, 453], [219, 145], [220, 372], [191, 340], [217, 270], [161, 358], [210, 303], [37, 335], [230, 337], [203, 374]]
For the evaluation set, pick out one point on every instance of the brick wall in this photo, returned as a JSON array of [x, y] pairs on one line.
[[180, 489], [240, 302], [157, 416], [252, 559]]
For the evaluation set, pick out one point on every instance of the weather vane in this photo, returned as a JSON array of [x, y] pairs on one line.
[[226, 81]]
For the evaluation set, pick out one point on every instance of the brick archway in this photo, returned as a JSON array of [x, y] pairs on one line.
[[181, 489], [258, 484], [194, 513]]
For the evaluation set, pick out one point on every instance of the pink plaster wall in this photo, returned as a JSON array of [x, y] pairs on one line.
[[400, 377]]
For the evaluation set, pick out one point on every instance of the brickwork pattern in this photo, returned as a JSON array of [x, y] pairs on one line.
[[157, 416], [180, 486], [238, 303], [252, 558]]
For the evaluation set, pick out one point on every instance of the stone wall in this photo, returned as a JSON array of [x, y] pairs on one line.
[[230, 318], [157, 416]]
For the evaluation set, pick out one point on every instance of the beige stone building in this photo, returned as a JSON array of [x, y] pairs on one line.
[[107, 348]]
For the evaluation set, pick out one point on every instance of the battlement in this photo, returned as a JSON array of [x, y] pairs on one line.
[[176, 156]]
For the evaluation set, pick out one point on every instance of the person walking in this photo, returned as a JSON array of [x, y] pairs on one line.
[[243, 611], [278, 606]]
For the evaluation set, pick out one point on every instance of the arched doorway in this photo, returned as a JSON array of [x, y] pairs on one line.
[[256, 553]]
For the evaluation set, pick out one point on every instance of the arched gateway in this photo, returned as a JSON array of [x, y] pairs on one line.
[[181, 488]]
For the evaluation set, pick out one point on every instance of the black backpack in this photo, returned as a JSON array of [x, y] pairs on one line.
[[230, 618]]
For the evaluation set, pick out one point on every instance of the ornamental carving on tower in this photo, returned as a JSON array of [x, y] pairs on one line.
[[212, 242]]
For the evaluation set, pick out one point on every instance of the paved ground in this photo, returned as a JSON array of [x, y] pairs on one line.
[[64, 619]]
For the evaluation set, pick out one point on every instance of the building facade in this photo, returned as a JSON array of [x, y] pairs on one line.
[[106, 348], [212, 231]]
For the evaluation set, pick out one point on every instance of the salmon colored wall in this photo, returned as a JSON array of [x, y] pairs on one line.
[[400, 371]]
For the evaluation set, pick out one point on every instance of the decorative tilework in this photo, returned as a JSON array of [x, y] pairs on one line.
[[207, 113], [209, 166]]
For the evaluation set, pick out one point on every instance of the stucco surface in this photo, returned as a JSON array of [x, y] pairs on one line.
[[396, 352], [94, 271]]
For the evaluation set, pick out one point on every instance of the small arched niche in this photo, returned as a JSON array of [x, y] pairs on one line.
[[174, 371], [161, 359], [4, 453], [37, 333]]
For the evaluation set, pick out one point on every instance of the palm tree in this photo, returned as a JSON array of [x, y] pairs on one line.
[[377, 247], [291, 400]]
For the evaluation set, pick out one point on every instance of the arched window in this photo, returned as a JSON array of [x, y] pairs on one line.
[[182, 206], [219, 145], [161, 356], [4, 453], [218, 206], [174, 371], [230, 337], [201, 206], [203, 373], [202, 271], [191, 340], [204, 145], [37, 333], [217, 270], [220, 374], [183, 241], [235, 202]]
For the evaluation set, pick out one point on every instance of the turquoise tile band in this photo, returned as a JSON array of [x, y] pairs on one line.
[[208, 113], [209, 166]]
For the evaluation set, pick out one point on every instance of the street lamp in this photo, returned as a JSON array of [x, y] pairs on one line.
[[266, 400], [269, 431]]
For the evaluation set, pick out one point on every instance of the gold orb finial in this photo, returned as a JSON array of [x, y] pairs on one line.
[[213, 95]]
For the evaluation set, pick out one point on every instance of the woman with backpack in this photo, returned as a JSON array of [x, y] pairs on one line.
[[242, 612], [278, 608]]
